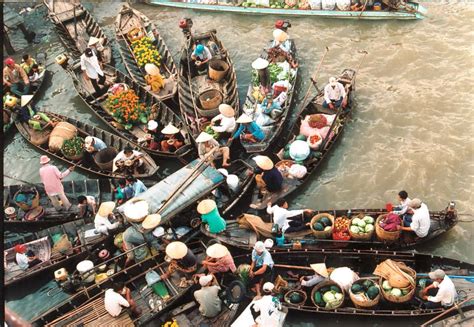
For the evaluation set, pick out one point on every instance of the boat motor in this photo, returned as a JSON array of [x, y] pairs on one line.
[[186, 24], [284, 25]]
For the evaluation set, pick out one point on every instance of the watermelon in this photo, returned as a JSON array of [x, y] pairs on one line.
[[372, 292], [295, 297], [368, 283], [325, 221], [318, 298], [335, 288], [318, 226], [356, 288], [324, 290]]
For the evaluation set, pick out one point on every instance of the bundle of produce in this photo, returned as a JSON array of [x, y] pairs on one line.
[[314, 140], [365, 293], [397, 281], [341, 229], [63, 131], [385, 227], [73, 149], [209, 130], [327, 295], [145, 52], [275, 70], [125, 108], [322, 225], [243, 271], [362, 228], [295, 297]]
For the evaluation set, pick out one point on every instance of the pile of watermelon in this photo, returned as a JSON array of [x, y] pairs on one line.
[[365, 290]]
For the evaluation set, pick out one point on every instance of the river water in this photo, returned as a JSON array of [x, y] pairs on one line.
[[411, 128]]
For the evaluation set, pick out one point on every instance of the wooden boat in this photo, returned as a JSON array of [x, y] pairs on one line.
[[272, 131], [246, 319], [413, 10], [75, 25], [347, 78], [199, 95], [100, 189], [464, 316], [243, 235], [129, 19], [40, 138], [41, 243], [162, 114], [364, 262]]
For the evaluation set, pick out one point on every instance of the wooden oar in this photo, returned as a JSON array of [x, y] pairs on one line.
[[457, 306], [191, 87], [363, 9], [313, 79]]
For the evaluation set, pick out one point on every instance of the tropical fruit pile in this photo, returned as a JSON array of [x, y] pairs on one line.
[[145, 52], [126, 108]]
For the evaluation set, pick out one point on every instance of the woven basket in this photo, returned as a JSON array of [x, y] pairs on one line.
[[302, 293], [322, 234], [360, 237], [404, 298], [323, 284], [104, 159], [210, 101], [365, 304], [217, 69], [25, 207], [382, 234], [77, 157]]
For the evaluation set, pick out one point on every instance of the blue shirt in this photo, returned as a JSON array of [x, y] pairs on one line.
[[273, 179], [99, 144], [252, 128], [267, 110], [138, 187], [264, 259]]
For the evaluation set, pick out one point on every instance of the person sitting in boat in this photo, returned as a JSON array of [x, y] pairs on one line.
[[248, 130], [27, 63], [280, 40], [344, 277], [266, 309], [218, 260], [441, 293], [420, 221], [208, 297], [271, 179], [25, 258], [172, 139], [123, 193], [207, 145], [35, 75], [318, 124], [224, 123], [260, 268], [114, 301], [182, 259], [320, 274], [15, 78], [102, 219], [210, 215], [92, 145], [153, 78], [136, 185], [334, 94], [155, 136], [93, 72], [288, 221], [200, 57], [264, 112], [403, 208], [128, 160], [95, 44], [86, 205]]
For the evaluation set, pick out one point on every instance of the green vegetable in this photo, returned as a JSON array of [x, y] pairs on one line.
[[338, 296], [372, 292], [318, 227], [301, 137], [286, 155], [368, 220], [356, 288], [396, 292], [73, 147], [274, 70], [369, 228], [386, 285], [335, 288], [329, 297], [318, 297], [361, 224], [295, 297], [355, 221], [354, 229]]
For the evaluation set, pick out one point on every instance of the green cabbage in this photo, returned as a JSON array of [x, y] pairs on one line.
[[356, 221], [368, 220], [396, 292], [369, 228], [386, 285], [361, 224], [355, 229], [338, 296], [329, 297]]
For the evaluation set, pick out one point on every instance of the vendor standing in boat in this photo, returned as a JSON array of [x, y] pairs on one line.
[[249, 130], [101, 221], [209, 302], [15, 78], [420, 221], [93, 72], [271, 180], [25, 258], [182, 259], [219, 260], [207, 144], [260, 268], [172, 139], [51, 178], [441, 293], [334, 94], [128, 158], [210, 214], [226, 121]]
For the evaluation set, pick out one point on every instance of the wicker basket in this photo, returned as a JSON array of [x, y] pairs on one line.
[[302, 293], [217, 69], [24, 206], [322, 234], [209, 103], [77, 157], [104, 159], [365, 304], [34, 214], [284, 167], [323, 284], [404, 298], [382, 234], [361, 237]]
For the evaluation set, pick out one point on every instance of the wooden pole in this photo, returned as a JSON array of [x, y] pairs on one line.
[[456, 306], [75, 19], [313, 79]]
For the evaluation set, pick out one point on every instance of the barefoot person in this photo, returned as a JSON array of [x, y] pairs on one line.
[[206, 144], [260, 268]]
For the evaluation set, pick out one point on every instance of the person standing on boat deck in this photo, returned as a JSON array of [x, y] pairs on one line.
[[320, 274], [15, 78], [441, 293], [27, 63], [210, 214], [209, 302], [51, 178], [128, 154], [207, 143], [225, 120], [86, 205], [201, 56], [268, 307], [260, 268], [420, 221], [182, 259], [271, 179], [96, 46], [136, 185], [113, 301], [92, 71], [92, 145], [123, 193], [403, 208], [288, 221], [172, 139], [219, 260], [249, 129], [101, 221], [25, 258], [334, 94]]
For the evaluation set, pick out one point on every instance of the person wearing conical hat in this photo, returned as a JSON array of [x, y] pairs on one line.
[[15, 78], [182, 259], [172, 140], [280, 40], [334, 94], [95, 44], [210, 215], [102, 219], [92, 70], [270, 179], [224, 123], [248, 130], [154, 79], [207, 143], [320, 274], [218, 260]]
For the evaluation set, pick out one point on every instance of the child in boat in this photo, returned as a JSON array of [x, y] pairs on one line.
[[403, 209], [86, 205]]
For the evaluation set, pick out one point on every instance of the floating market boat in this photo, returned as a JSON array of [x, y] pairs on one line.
[[75, 26], [201, 93], [409, 11], [248, 229], [101, 190], [464, 316], [102, 167], [136, 133], [291, 265], [283, 72], [312, 156], [132, 30]]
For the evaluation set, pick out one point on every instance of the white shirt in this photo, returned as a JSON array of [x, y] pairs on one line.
[[404, 205], [121, 156], [90, 202], [203, 56], [22, 261], [91, 66], [420, 222], [103, 225], [334, 93], [446, 292], [227, 124], [268, 308], [280, 215], [113, 302], [285, 46]]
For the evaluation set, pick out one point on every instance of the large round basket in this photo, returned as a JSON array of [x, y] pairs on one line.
[[104, 159], [209, 103], [77, 157], [23, 206], [217, 69], [382, 234], [322, 234], [34, 214], [290, 293], [327, 283], [368, 303], [400, 299], [362, 236]]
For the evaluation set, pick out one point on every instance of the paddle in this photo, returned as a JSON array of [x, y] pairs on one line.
[[456, 306], [363, 9], [313, 79], [191, 87]]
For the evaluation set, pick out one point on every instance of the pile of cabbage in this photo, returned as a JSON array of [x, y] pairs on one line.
[[362, 225], [329, 297], [397, 292]]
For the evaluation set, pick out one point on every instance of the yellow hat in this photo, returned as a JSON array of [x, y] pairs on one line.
[[176, 250], [217, 251], [226, 110], [264, 162], [170, 129], [243, 119], [206, 206], [320, 268], [106, 208], [151, 69], [204, 137], [151, 221]]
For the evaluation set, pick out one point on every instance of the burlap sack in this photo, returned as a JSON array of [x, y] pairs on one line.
[[62, 131]]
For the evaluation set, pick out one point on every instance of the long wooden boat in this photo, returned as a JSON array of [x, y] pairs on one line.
[[100, 189], [84, 130], [75, 25], [464, 316], [162, 114], [129, 19], [364, 262], [41, 243], [246, 230], [413, 10], [273, 130], [347, 78], [193, 86]]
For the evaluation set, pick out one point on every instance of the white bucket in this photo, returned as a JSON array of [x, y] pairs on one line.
[[84, 268], [328, 4]]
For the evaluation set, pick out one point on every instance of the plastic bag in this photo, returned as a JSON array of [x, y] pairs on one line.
[[152, 277]]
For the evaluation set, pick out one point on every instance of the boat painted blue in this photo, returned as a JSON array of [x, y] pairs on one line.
[[418, 11]]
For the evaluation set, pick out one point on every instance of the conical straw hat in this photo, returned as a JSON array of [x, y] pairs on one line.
[[279, 35], [176, 250], [217, 251], [151, 221], [152, 69], [25, 99], [260, 63], [243, 119], [106, 208], [264, 162], [226, 110], [170, 129], [320, 268], [206, 206], [204, 137], [92, 40], [136, 210]]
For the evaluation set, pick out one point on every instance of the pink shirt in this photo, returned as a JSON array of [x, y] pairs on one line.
[[51, 178], [224, 264]]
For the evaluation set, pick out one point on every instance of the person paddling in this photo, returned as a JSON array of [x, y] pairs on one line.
[[51, 178]]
